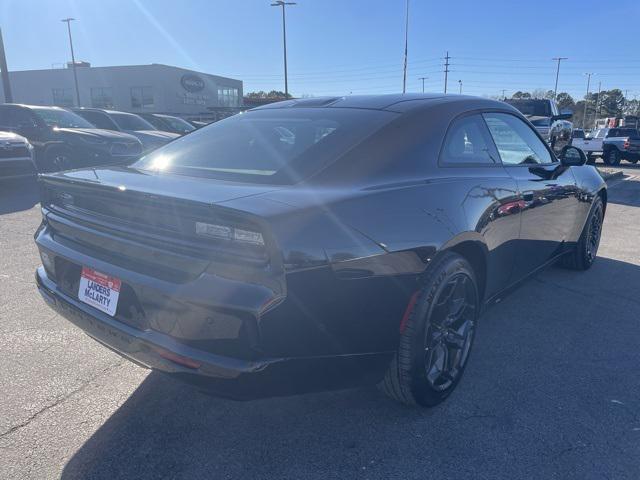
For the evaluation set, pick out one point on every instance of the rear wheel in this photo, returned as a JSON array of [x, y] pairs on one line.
[[612, 157], [438, 336], [586, 250]]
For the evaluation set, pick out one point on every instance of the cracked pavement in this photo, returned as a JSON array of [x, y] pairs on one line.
[[551, 391]]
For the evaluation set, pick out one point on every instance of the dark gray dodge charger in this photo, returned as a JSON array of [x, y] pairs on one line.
[[317, 244]]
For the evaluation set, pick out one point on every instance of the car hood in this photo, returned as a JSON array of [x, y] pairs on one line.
[[12, 137], [98, 134]]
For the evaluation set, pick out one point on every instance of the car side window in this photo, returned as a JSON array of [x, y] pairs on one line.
[[22, 118], [517, 143], [467, 142]]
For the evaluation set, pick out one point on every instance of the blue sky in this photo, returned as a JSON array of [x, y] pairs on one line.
[[340, 46]]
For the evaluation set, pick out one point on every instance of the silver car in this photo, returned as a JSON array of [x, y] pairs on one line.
[[16, 157]]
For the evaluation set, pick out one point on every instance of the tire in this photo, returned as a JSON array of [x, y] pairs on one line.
[[586, 250], [55, 159], [438, 335], [612, 157], [632, 160]]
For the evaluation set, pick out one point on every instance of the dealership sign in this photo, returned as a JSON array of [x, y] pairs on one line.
[[192, 83]]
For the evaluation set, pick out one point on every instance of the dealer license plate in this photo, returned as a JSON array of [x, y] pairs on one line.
[[99, 290]]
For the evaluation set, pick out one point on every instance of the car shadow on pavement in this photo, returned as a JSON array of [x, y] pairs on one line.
[[19, 195], [550, 391]]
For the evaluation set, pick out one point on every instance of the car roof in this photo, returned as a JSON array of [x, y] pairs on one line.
[[103, 110], [24, 105], [392, 102]]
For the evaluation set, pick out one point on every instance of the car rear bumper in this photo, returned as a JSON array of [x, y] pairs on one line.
[[220, 375]]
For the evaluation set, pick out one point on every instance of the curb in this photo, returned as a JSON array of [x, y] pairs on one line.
[[609, 175]]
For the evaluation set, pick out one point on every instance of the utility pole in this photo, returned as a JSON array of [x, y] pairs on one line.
[[73, 58], [423, 79], [6, 86], [446, 71], [586, 100], [406, 48], [460, 83], [555, 90], [283, 4], [503, 95], [596, 112]]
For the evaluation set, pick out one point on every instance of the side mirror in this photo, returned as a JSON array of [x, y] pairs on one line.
[[562, 116], [572, 157]]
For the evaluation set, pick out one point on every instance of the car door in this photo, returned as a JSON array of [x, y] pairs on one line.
[[490, 201], [547, 190]]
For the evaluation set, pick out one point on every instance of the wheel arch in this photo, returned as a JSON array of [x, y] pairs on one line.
[[474, 250], [602, 193]]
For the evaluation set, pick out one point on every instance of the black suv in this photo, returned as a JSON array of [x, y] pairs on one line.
[[64, 140]]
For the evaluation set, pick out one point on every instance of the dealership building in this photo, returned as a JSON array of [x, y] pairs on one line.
[[154, 88]]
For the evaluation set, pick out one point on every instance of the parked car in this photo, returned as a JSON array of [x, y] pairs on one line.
[[198, 123], [130, 123], [363, 252], [548, 120], [612, 144], [16, 157], [64, 140], [168, 123]]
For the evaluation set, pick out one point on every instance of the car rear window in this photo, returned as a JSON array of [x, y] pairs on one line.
[[622, 132], [538, 108], [268, 146]]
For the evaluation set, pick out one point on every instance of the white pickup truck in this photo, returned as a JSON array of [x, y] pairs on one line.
[[612, 144]]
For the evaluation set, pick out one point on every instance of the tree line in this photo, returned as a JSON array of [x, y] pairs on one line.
[[609, 103]]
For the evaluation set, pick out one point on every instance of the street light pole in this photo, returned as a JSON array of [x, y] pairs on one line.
[[586, 101], [555, 89], [460, 83], [73, 58], [406, 48], [6, 85], [423, 79], [283, 4]]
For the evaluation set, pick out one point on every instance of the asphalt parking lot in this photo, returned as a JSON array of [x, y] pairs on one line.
[[552, 390]]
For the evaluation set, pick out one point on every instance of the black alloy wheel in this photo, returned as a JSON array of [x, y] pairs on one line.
[[450, 332], [594, 232], [586, 250], [438, 336]]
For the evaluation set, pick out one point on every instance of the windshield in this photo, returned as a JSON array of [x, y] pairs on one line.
[[178, 124], [61, 118], [267, 146], [128, 121], [538, 108]]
